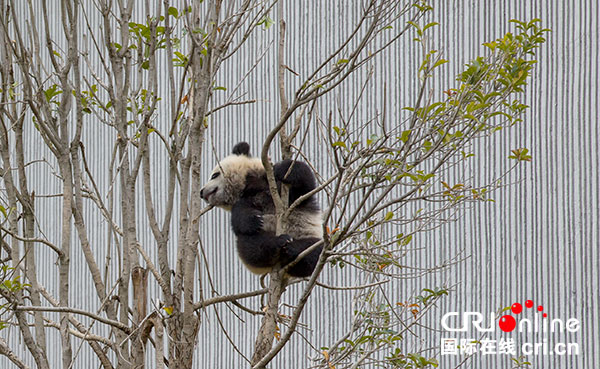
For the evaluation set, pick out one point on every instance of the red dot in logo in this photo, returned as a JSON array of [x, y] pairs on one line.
[[545, 315], [516, 308], [529, 304], [540, 308], [507, 323]]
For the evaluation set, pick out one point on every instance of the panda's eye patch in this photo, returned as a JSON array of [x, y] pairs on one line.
[[215, 175]]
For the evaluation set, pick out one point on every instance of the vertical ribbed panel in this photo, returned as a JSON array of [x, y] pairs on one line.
[[539, 240]]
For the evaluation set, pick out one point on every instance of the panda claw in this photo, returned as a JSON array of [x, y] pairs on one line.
[[287, 239], [260, 220]]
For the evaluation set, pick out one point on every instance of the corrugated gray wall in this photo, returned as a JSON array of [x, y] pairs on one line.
[[538, 240]]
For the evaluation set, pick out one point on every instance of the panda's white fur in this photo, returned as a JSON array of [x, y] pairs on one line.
[[305, 223]]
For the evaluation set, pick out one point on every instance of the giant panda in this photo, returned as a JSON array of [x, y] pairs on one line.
[[239, 184]]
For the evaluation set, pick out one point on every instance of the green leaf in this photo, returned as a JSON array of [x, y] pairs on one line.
[[339, 131], [439, 62], [52, 92], [491, 45], [427, 145], [520, 155], [173, 12], [405, 240], [405, 135], [430, 25], [372, 139], [181, 60], [267, 22]]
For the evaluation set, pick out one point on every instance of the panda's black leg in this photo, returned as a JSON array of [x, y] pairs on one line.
[[305, 266], [300, 177], [246, 219]]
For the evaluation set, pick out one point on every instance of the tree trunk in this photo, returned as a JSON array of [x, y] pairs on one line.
[[268, 327]]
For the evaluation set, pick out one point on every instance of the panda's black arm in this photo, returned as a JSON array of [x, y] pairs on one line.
[[261, 250], [300, 177], [245, 218]]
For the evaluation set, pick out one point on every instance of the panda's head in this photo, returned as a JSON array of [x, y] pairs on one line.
[[228, 179]]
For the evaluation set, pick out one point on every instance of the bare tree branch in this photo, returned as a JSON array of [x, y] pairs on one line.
[[65, 309]]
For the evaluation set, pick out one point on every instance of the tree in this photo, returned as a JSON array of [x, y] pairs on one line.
[[388, 175]]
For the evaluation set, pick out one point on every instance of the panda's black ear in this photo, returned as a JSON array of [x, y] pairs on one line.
[[241, 148]]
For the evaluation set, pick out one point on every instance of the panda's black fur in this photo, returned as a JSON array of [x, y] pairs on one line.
[[253, 214]]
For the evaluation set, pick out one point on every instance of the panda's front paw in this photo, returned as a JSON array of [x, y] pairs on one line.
[[255, 224], [285, 239], [259, 221], [247, 225]]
